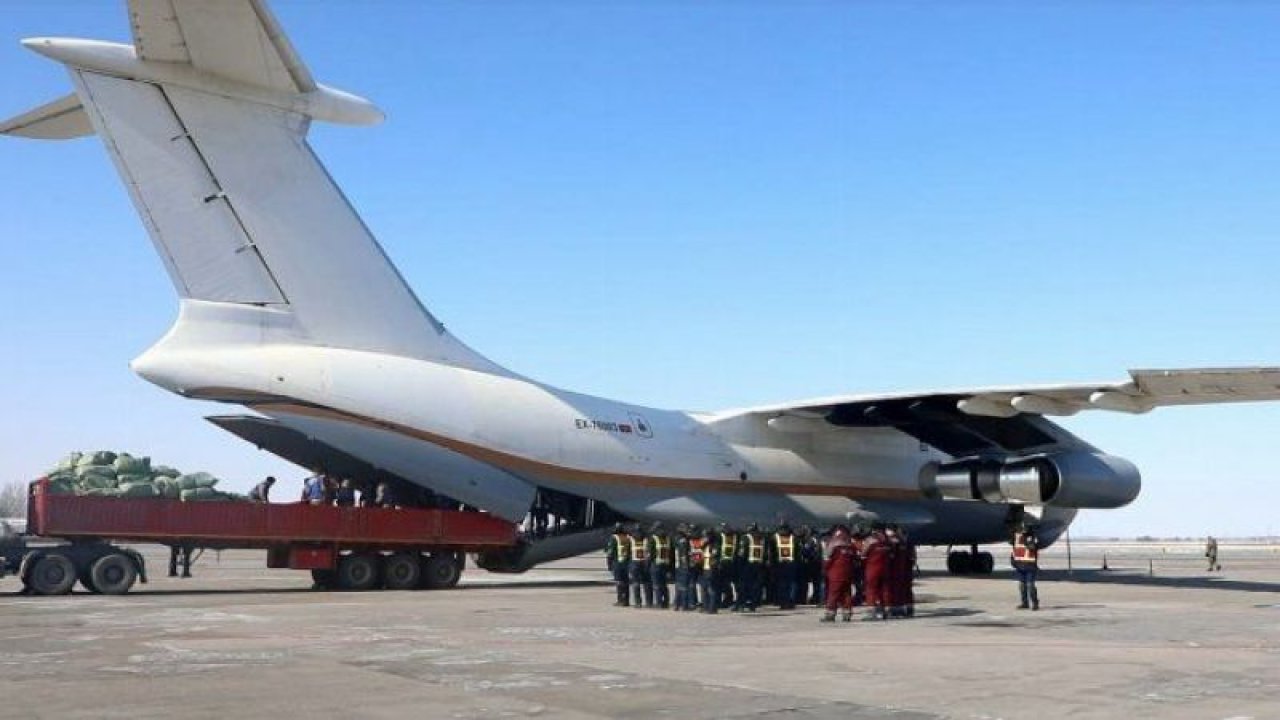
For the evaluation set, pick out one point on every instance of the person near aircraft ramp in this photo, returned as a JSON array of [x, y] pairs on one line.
[[1026, 563], [641, 581], [711, 565], [838, 572], [658, 546], [783, 559], [876, 556], [727, 567], [618, 556]]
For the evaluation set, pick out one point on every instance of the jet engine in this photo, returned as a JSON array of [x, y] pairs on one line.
[[1074, 479]]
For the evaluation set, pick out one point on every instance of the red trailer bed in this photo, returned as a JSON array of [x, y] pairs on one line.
[[348, 548]]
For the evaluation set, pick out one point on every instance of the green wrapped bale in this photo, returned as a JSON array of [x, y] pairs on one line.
[[101, 492], [104, 471], [126, 464], [200, 494], [100, 457], [164, 471], [124, 479], [138, 490], [193, 481], [69, 462]]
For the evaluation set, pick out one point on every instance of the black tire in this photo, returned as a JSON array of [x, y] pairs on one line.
[[959, 563], [86, 582], [53, 574], [358, 571], [113, 574], [324, 578], [402, 571], [441, 571], [984, 563]]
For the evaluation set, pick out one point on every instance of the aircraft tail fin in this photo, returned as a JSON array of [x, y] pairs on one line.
[[206, 117]]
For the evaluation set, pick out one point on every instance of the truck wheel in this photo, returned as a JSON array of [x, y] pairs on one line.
[[113, 574], [53, 574], [402, 571], [441, 571], [984, 563], [358, 572], [86, 582]]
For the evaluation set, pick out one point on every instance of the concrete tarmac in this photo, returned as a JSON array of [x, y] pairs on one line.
[[1154, 637]]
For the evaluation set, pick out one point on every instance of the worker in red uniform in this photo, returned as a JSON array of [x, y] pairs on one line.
[[838, 574], [876, 556]]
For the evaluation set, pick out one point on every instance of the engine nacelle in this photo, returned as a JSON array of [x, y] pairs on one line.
[[1074, 479]]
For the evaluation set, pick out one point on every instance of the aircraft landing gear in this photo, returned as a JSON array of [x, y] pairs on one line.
[[972, 562]]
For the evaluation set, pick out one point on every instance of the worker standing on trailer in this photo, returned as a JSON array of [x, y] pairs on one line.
[[1026, 563], [783, 560], [660, 565], [711, 564], [641, 583], [618, 557], [261, 493], [346, 495]]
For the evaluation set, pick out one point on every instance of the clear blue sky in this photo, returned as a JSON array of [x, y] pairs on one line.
[[710, 205]]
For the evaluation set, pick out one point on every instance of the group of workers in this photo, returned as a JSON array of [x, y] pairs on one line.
[[324, 489], [871, 565]]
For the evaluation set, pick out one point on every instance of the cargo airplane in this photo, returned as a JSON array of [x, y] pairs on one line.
[[205, 116]]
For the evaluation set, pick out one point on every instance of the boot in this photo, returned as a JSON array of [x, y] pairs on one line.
[[828, 617], [848, 617]]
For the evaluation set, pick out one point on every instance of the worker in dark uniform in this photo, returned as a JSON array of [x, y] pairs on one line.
[[680, 559], [783, 559], [905, 574], [261, 493], [726, 567], [752, 568], [811, 566], [711, 564], [697, 542], [659, 551], [899, 572], [180, 555], [1026, 563], [618, 557], [838, 573], [346, 495], [876, 556], [641, 582]]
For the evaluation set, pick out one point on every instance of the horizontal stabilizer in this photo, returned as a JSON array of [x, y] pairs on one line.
[[62, 119]]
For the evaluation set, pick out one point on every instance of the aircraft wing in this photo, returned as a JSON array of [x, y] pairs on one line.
[[1004, 418], [238, 40]]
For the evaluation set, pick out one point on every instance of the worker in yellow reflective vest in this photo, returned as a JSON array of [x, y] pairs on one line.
[[752, 570], [659, 551], [711, 564], [1026, 562], [727, 567], [783, 558], [641, 583], [618, 557]]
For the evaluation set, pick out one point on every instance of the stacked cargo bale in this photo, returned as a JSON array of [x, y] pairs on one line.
[[109, 474]]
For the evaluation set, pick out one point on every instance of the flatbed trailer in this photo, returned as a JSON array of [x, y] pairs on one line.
[[70, 538]]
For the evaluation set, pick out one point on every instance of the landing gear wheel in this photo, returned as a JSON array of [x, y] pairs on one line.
[[402, 571], [113, 574], [358, 572], [959, 562], [52, 574], [324, 579], [984, 563], [441, 571]]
